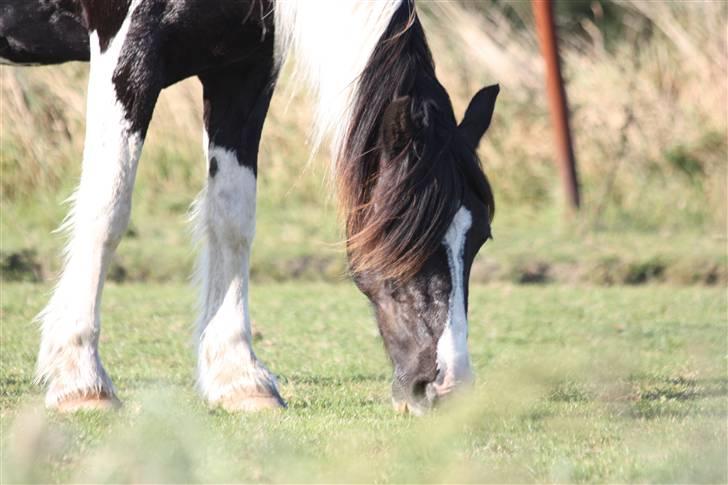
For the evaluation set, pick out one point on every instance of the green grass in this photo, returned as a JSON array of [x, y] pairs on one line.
[[574, 385]]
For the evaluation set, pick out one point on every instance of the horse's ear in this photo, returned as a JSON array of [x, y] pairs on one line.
[[397, 126], [478, 115]]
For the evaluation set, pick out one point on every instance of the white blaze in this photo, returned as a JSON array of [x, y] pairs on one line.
[[453, 360]]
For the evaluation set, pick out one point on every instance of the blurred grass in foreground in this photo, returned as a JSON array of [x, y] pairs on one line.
[[647, 84], [573, 385]]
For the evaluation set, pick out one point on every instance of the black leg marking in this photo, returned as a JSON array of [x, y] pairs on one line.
[[105, 17], [213, 166], [236, 103]]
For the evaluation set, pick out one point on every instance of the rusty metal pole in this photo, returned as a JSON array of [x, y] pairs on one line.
[[558, 105]]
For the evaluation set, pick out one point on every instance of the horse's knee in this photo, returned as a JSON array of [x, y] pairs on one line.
[[118, 221], [101, 219]]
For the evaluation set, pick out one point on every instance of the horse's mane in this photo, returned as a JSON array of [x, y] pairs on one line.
[[399, 208]]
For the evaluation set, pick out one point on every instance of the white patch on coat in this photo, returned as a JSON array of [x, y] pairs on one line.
[[332, 40], [453, 360], [225, 215], [68, 361]]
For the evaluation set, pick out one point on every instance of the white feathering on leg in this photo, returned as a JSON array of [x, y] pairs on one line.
[[225, 217], [68, 361]]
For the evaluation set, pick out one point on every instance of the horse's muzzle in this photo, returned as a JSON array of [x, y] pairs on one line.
[[426, 396]]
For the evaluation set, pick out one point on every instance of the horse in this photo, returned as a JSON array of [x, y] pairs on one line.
[[416, 202]]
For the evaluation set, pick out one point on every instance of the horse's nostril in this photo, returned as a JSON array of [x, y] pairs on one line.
[[431, 393], [419, 389], [425, 393]]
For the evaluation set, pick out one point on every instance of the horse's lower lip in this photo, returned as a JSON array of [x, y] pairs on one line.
[[447, 384], [442, 390], [420, 406], [404, 407]]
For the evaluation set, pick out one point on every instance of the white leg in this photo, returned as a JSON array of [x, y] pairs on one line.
[[68, 361], [229, 373]]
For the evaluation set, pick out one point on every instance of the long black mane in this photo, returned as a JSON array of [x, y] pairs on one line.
[[399, 205]]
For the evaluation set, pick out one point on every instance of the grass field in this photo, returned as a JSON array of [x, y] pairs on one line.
[[615, 370], [574, 384]]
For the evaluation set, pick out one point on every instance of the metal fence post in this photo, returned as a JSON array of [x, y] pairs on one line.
[[558, 105]]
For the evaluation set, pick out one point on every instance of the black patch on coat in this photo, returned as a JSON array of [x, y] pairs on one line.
[[170, 40], [237, 95], [140, 71], [213, 166], [236, 100], [43, 31], [105, 17]]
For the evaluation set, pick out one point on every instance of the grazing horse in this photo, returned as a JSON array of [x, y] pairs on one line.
[[417, 204]]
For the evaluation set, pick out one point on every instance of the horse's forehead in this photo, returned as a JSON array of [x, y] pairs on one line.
[[459, 227]]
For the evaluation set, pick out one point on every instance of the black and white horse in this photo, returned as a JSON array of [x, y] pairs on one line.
[[418, 206]]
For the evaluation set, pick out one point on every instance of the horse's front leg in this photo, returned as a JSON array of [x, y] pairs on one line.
[[118, 113], [229, 373]]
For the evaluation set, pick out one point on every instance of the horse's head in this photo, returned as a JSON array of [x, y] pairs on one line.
[[413, 241]]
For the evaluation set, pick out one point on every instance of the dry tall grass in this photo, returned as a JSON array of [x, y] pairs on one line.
[[648, 108], [649, 117]]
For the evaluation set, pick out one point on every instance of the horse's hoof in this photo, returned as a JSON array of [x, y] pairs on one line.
[[247, 402], [88, 402]]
